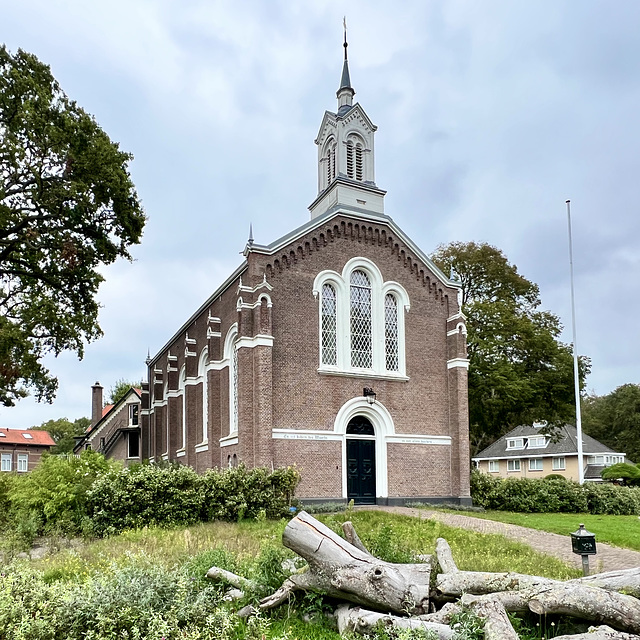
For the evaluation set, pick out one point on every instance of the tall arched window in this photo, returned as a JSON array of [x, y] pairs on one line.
[[329, 325], [202, 374], [183, 399], [361, 343], [391, 332], [234, 389]]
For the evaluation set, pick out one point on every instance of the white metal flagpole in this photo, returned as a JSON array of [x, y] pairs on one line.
[[576, 376]]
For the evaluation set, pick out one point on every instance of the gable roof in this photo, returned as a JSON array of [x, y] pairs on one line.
[[108, 412], [27, 437], [566, 445], [276, 245]]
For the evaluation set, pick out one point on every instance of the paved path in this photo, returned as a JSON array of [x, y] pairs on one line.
[[608, 558]]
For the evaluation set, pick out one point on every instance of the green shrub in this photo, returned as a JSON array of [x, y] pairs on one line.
[[234, 494], [552, 495], [170, 495], [146, 494], [55, 493]]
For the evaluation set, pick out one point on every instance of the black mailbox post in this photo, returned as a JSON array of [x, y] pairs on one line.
[[583, 543]]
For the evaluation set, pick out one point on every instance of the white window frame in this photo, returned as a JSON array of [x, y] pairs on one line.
[[202, 376], [231, 350], [134, 412], [532, 442], [6, 460], [515, 443], [513, 465], [23, 462], [129, 436], [559, 464], [494, 466], [182, 391], [379, 290], [535, 464]]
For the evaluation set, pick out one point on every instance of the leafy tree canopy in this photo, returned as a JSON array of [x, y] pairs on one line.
[[614, 419], [120, 389], [629, 473], [67, 207], [63, 432], [519, 371]]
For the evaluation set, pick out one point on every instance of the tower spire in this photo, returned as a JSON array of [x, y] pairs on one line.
[[345, 93]]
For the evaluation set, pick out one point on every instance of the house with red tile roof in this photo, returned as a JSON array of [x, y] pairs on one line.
[[21, 449]]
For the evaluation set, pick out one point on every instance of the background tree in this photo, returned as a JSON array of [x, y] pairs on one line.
[[614, 419], [67, 206], [519, 371], [628, 473], [120, 389], [64, 432]]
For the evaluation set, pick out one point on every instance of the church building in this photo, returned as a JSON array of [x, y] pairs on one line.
[[339, 348]]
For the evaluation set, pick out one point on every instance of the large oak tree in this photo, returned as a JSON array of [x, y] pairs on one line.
[[67, 207], [519, 371]]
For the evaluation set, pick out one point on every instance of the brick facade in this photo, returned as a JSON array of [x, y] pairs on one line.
[[245, 380], [285, 404]]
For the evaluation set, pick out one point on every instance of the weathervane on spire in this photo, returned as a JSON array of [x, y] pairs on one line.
[[344, 24]]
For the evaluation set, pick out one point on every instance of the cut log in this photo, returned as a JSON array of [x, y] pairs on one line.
[[590, 603], [445, 557], [497, 625], [340, 570], [364, 621], [216, 573], [600, 633], [480, 582], [626, 580], [352, 537]]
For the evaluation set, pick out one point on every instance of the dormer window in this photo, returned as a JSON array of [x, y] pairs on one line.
[[536, 442], [515, 443]]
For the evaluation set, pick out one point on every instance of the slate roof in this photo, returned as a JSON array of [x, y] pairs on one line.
[[566, 445], [26, 437]]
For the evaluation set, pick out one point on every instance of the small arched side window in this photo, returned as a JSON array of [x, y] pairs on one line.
[[202, 374], [329, 325], [391, 332]]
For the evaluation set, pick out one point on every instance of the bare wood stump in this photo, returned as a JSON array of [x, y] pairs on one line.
[[340, 570]]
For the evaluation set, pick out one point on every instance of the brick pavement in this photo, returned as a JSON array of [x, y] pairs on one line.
[[608, 558]]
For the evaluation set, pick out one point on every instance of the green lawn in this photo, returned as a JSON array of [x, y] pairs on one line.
[[620, 531]]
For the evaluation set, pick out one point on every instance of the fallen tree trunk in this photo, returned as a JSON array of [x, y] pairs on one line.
[[600, 633], [364, 621], [340, 570]]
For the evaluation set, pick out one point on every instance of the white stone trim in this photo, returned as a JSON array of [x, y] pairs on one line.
[[182, 386], [180, 453], [213, 334], [458, 362], [383, 426], [461, 326], [459, 315], [202, 377], [410, 438], [306, 434], [327, 370], [165, 457], [263, 285], [261, 340], [203, 446], [229, 440]]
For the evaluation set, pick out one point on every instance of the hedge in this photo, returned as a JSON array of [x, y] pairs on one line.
[[552, 495]]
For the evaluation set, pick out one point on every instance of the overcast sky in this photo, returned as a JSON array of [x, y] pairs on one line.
[[490, 115]]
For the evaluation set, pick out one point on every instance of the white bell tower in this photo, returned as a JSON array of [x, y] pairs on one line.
[[346, 175]]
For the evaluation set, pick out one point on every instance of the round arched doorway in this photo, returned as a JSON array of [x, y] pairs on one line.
[[361, 461]]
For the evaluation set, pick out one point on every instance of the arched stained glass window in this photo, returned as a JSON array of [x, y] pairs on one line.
[[360, 314], [391, 332], [329, 325]]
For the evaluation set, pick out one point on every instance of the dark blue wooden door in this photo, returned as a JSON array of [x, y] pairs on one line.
[[361, 471]]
